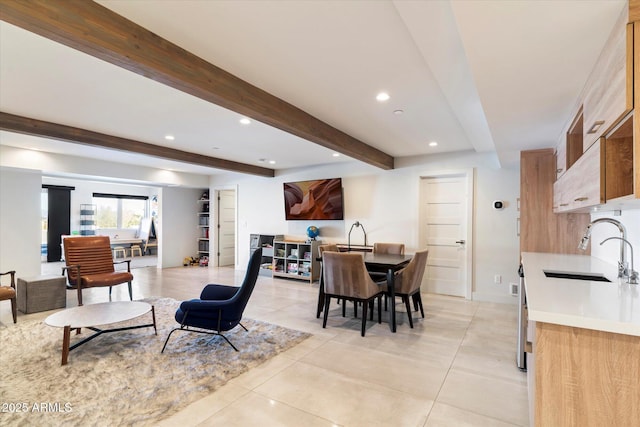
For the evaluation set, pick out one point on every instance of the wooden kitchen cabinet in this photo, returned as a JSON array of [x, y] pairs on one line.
[[585, 377], [581, 187], [541, 230], [608, 93]]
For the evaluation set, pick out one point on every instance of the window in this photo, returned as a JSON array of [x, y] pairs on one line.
[[119, 211]]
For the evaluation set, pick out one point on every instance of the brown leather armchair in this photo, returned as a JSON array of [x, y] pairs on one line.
[[90, 264], [346, 277], [9, 292]]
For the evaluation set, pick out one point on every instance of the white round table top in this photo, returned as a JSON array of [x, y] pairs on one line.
[[98, 314]]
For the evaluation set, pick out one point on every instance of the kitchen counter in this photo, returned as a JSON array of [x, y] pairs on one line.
[[601, 306]]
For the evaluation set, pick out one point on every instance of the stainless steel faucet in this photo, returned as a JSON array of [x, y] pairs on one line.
[[622, 264], [632, 275]]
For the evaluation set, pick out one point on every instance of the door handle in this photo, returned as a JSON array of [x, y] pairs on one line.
[[462, 242]]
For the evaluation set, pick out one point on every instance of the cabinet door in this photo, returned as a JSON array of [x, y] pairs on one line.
[[561, 158], [609, 90], [580, 188]]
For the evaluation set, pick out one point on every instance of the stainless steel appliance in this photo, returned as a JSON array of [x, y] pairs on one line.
[[521, 356]]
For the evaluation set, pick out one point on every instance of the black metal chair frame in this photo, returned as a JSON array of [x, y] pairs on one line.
[[202, 331]]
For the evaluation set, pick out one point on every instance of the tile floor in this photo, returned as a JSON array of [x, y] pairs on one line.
[[455, 368]]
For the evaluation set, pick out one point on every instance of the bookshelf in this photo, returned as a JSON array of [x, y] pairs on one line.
[[296, 260]]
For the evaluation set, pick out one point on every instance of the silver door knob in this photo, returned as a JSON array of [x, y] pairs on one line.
[[462, 242]]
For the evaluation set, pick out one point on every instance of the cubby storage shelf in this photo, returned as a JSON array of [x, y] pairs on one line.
[[296, 260]]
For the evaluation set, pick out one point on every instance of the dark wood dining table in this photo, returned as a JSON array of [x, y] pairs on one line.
[[378, 263]]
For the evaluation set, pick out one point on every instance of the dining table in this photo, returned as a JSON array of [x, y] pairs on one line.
[[376, 263]]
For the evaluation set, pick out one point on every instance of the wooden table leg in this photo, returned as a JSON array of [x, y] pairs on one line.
[[66, 338]]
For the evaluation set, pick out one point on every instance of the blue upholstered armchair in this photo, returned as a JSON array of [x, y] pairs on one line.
[[220, 307]]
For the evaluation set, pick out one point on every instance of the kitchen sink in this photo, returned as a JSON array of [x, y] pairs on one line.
[[596, 277]]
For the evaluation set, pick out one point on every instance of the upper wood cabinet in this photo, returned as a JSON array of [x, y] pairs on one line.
[[608, 93], [603, 161], [580, 188]]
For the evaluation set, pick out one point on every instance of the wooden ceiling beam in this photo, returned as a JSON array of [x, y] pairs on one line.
[[28, 126], [99, 32]]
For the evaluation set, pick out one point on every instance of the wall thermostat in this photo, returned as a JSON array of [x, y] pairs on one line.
[[498, 204]]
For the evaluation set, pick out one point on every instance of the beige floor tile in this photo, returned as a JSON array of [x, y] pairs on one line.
[[487, 395], [408, 374], [256, 410], [343, 399], [442, 415], [203, 409]]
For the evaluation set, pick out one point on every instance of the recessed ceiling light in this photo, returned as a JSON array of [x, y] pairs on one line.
[[262, 160], [433, 144], [169, 137], [382, 96], [272, 162], [398, 112], [245, 121], [336, 154]]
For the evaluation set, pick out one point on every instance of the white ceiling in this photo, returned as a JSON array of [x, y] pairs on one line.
[[487, 75]]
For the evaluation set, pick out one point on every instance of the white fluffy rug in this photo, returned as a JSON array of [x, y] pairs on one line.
[[121, 378]]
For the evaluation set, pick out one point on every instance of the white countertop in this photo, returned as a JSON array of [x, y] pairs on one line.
[[611, 307]]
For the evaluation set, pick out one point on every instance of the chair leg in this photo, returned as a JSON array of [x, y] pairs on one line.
[[371, 303], [167, 340], [408, 305], [344, 307], [355, 309], [110, 289], [364, 318], [14, 311], [380, 309], [130, 293], [327, 300]]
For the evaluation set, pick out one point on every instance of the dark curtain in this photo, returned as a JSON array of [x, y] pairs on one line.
[[59, 220]]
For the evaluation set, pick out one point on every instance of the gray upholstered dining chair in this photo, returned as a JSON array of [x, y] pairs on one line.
[[388, 248], [346, 277], [329, 247], [380, 277], [408, 281]]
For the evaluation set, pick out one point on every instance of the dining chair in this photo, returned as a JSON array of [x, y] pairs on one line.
[[9, 292], [408, 281], [346, 277], [380, 277], [329, 247], [388, 248]]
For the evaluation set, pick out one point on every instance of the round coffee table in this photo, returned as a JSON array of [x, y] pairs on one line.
[[92, 315]]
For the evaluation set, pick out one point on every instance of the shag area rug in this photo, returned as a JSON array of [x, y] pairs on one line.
[[121, 378]]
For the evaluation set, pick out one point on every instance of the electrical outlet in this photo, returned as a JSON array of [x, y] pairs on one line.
[[513, 289], [497, 279]]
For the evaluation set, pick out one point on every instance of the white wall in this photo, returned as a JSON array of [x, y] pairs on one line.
[[178, 225], [610, 251], [20, 221], [386, 202]]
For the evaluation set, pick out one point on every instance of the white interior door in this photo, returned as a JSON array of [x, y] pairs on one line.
[[226, 223], [445, 228]]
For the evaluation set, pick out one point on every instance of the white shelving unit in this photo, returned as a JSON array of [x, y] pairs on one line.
[[203, 226], [296, 260]]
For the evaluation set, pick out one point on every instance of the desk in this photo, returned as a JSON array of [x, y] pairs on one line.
[[377, 263]]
